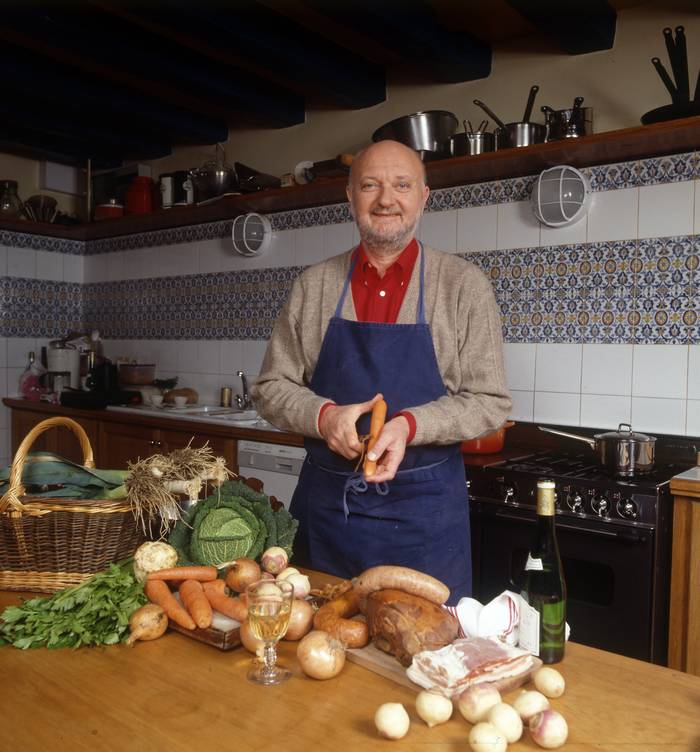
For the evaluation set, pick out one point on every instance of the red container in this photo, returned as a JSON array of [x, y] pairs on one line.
[[108, 210], [139, 196], [489, 444]]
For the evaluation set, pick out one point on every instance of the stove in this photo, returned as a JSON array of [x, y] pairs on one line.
[[614, 537]]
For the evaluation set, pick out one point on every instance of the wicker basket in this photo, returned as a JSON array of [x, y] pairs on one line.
[[47, 544]]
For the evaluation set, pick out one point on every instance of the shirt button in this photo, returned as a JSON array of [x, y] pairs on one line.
[[382, 293]]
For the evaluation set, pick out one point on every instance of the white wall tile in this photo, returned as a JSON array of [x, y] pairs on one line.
[[166, 357], [439, 230], [18, 349], [613, 215], [49, 265], [660, 415], [666, 209], [660, 371], [150, 262], [208, 357], [253, 352], [336, 239], [179, 259], [117, 268], [517, 226], [565, 235], [95, 268], [3, 260], [558, 368], [73, 268], [282, 250], [523, 405], [692, 426], [603, 411], [558, 408], [13, 375], [21, 262], [187, 355], [211, 256], [520, 364], [3, 352], [311, 244], [4, 411], [607, 369], [231, 358], [477, 228], [694, 372], [5, 454]]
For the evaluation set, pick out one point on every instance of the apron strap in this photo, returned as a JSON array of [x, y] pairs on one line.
[[420, 316]]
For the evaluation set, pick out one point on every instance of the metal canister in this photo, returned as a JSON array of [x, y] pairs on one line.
[[226, 396]]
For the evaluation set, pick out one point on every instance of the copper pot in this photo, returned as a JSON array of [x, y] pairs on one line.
[[488, 444]]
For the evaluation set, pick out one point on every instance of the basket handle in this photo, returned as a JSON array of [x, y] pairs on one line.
[[16, 489]]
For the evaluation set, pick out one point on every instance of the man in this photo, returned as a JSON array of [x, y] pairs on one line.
[[420, 328]]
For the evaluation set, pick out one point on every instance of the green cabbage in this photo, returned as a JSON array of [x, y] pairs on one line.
[[233, 522]]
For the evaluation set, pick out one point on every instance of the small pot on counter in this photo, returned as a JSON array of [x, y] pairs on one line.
[[624, 453], [491, 443]]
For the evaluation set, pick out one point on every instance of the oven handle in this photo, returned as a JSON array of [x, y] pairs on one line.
[[633, 538]]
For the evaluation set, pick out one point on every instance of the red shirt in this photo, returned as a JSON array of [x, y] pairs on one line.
[[378, 299]]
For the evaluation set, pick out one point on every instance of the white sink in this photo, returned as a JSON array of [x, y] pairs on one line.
[[208, 413]]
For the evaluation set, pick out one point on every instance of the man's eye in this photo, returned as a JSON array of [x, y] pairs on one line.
[[404, 186], [368, 186]]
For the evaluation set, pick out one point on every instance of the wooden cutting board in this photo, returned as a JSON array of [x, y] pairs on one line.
[[381, 663], [219, 638]]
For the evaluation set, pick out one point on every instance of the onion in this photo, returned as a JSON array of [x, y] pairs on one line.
[[391, 720], [549, 729], [286, 572], [147, 623], [242, 573], [530, 703], [301, 584], [300, 620], [485, 737], [274, 560], [250, 642], [433, 708], [475, 702], [320, 655], [550, 682]]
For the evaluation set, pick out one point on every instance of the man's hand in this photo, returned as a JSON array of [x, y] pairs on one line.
[[339, 430], [389, 449]]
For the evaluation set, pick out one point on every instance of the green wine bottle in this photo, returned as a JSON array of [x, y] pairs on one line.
[[544, 587]]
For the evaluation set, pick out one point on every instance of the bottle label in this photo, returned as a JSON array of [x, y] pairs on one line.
[[529, 628], [533, 565]]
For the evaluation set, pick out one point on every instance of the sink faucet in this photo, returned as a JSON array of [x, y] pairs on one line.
[[243, 400]]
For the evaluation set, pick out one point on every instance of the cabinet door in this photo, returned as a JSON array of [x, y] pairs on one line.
[[59, 440], [222, 446], [121, 443]]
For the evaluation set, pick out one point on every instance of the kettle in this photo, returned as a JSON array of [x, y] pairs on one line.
[[213, 178]]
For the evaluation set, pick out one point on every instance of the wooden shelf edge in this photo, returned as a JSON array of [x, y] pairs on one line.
[[639, 142]]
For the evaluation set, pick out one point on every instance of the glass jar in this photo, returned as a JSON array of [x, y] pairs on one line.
[[10, 204]]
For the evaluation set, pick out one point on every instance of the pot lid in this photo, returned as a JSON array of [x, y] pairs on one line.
[[625, 433]]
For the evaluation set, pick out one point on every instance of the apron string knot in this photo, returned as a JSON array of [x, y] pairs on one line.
[[356, 483]]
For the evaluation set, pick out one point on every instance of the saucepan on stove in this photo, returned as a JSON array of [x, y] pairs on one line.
[[488, 444], [622, 452]]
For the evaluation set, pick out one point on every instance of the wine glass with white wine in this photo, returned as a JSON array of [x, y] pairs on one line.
[[269, 609]]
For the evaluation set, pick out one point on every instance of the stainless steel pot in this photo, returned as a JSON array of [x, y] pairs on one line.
[[515, 135], [624, 453], [469, 144], [423, 131]]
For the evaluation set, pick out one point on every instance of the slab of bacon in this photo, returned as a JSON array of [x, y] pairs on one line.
[[470, 661]]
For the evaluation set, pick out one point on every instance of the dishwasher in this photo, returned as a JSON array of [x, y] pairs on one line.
[[276, 465]]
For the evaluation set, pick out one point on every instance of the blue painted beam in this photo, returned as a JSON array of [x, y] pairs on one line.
[[577, 26]]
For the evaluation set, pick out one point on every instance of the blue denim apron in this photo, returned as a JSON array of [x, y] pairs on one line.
[[421, 518]]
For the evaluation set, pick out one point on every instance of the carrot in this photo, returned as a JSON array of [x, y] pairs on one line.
[[195, 602], [201, 574], [224, 604], [159, 593], [375, 428]]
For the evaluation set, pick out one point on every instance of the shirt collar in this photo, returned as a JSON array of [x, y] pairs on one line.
[[403, 262]]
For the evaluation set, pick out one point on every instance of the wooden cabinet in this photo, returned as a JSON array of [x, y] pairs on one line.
[[60, 440]]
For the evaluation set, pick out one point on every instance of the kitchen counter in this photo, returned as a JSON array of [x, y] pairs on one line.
[[178, 694]]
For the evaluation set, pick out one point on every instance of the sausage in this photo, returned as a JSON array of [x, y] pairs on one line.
[[332, 618], [400, 578], [375, 428]]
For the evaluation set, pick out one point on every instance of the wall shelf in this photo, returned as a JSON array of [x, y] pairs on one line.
[[669, 137]]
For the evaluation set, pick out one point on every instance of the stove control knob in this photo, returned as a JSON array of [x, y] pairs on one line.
[[575, 502], [508, 495], [600, 505], [628, 509]]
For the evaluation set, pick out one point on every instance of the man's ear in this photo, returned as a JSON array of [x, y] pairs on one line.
[[348, 193], [426, 193]]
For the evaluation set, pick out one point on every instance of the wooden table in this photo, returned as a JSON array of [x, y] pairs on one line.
[[177, 694]]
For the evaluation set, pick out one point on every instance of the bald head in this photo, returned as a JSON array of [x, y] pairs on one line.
[[395, 149]]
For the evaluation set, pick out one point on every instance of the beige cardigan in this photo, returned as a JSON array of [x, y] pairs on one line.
[[466, 329]]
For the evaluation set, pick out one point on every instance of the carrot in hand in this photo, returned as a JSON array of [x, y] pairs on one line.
[[375, 428], [196, 603], [159, 593], [234, 608], [201, 574]]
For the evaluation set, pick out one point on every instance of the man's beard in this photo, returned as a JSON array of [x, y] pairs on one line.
[[383, 242]]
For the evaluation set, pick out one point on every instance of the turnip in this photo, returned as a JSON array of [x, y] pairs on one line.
[[550, 682], [484, 737], [433, 708], [274, 560], [530, 703], [549, 729], [506, 719], [391, 720], [475, 702]]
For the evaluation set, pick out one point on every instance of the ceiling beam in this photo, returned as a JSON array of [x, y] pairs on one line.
[[577, 26]]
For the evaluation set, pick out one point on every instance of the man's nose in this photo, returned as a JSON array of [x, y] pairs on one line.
[[386, 195]]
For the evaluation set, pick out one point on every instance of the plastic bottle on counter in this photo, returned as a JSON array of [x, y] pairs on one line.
[[30, 381]]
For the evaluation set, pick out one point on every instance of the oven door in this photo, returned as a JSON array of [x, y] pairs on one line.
[[608, 570]]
